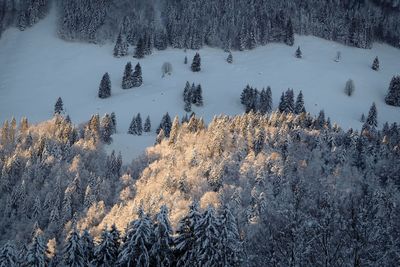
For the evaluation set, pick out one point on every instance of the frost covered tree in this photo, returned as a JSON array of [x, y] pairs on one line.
[[375, 64], [114, 122], [289, 37], [139, 125], [197, 96], [36, 255], [174, 131], [229, 59], [137, 79], [58, 107], [121, 46], [196, 64], [165, 124], [105, 86], [298, 53], [8, 255], [106, 252], [73, 254], [372, 119], [140, 49], [161, 252], [289, 101], [187, 97], [299, 106], [133, 126], [127, 79], [265, 104], [106, 129], [147, 125], [282, 103], [349, 88], [393, 95], [87, 247]]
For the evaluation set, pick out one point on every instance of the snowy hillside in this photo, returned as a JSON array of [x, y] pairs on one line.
[[36, 68]]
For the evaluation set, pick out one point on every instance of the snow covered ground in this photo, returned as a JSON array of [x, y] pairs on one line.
[[36, 68]]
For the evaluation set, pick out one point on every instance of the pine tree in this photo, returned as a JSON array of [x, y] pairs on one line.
[[127, 79], [106, 252], [8, 256], [299, 54], [349, 88], [393, 96], [160, 137], [282, 103], [137, 76], [140, 49], [289, 38], [174, 131], [133, 126], [107, 129], [207, 246], [289, 101], [375, 64], [229, 59], [87, 247], [196, 64], [320, 123], [161, 252], [198, 96], [299, 107], [138, 241], [165, 124], [147, 125], [116, 236], [121, 46], [37, 251], [265, 105], [362, 119], [105, 86], [139, 125], [73, 250], [372, 119], [187, 97], [186, 236], [58, 107], [114, 122]]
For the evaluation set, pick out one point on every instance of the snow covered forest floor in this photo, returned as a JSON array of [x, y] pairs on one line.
[[36, 67]]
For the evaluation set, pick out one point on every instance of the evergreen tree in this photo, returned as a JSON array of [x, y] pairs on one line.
[[107, 129], [114, 122], [299, 107], [162, 250], [265, 105], [116, 236], [174, 131], [282, 103], [185, 61], [375, 64], [139, 125], [349, 89], [289, 101], [8, 256], [127, 79], [197, 96], [137, 76], [196, 64], [37, 251], [106, 252], [140, 49], [73, 251], [160, 137], [58, 107], [372, 119], [299, 54], [393, 96], [187, 97], [135, 250], [229, 59], [147, 125], [121, 46], [133, 126], [186, 236], [165, 124], [105, 86], [87, 247], [320, 123], [289, 38], [362, 119]]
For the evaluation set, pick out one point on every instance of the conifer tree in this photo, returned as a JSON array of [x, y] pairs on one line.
[[165, 124], [185, 61], [147, 125], [160, 137], [282, 103], [375, 64], [161, 252], [174, 131], [265, 104], [73, 250], [37, 251], [133, 126], [137, 79], [139, 125], [58, 107], [299, 106], [105, 86], [105, 253], [197, 96], [127, 79], [320, 123], [87, 247], [187, 97], [299, 54], [362, 119], [107, 129], [196, 64], [8, 255], [372, 119], [114, 122], [289, 37], [121, 46], [116, 236], [393, 96], [289, 101], [140, 49], [229, 59]]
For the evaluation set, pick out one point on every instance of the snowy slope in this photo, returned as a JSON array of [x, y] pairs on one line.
[[36, 67]]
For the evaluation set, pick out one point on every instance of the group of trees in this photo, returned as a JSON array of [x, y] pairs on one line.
[[192, 94], [230, 24], [288, 105], [132, 78], [136, 127], [256, 101]]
